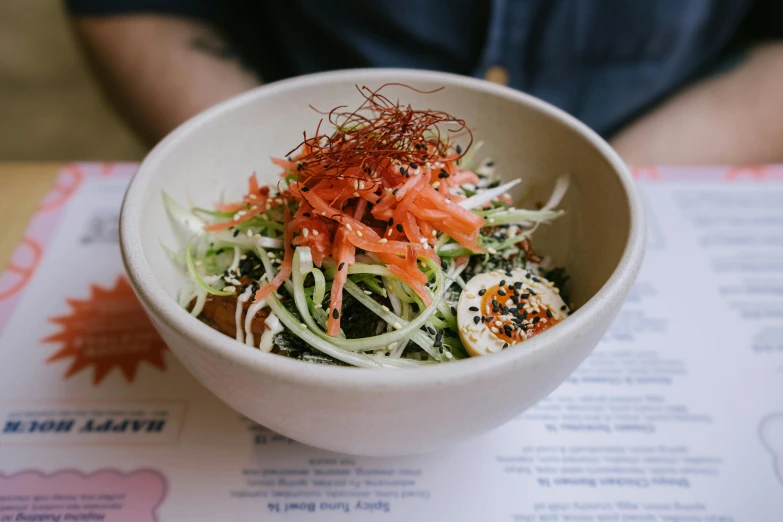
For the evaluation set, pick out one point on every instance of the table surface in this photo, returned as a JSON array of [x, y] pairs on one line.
[[22, 185]]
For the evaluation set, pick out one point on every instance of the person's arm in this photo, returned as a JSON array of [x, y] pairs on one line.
[[161, 70], [734, 118]]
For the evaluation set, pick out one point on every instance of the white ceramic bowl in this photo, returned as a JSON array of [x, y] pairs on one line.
[[390, 412]]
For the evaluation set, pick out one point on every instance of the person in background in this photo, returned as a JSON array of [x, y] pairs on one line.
[[666, 81]]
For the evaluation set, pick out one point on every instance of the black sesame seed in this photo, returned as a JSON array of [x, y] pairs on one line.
[[340, 266], [495, 302], [474, 309], [453, 311], [476, 319], [458, 149], [437, 344], [524, 296], [236, 233], [414, 166], [439, 336], [377, 201], [490, 163], [305, 189], [524, 315], [518, 284], [431, 330], [399, 227], [395, 191], [536, 319], [501, 292], [391, 221], [336, 313], [505, 345], [507, 329], [548, 312], [444, 265], [482, 292], [563, 307], [502, 282]]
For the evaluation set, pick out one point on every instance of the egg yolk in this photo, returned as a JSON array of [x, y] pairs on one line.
[[514, 314]]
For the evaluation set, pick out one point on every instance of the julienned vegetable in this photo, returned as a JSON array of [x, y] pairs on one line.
[[357, 252]]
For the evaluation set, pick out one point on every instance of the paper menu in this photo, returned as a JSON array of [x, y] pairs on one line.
[[678, 415]]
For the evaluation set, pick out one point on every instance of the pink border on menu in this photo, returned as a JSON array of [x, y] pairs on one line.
[[43, 225]]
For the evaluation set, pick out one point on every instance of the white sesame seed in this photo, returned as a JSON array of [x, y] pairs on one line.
[[385, 308], [229, 289], [368, 292], [470, 296], [315, 232], [270, 255], [498, 323], [448, 201], [492, 251], [305, 232], [303, 326], [423, 240], [397, 325], [356, 194], [359, 233], [249, 233], [389, 233], [494, 330], [349, 227], [383, 240], [361, 185], [436, 184], [473, 337], [491, 220]]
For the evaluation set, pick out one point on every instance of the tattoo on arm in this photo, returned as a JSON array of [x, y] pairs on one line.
[[219, 48]]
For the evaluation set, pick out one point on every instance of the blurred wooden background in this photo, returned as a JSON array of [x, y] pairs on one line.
[[50, 106]]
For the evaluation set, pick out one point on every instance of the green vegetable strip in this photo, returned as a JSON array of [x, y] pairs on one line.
[[197, 278]]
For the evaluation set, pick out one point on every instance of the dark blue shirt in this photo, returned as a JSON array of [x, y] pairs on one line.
[[603, 61]]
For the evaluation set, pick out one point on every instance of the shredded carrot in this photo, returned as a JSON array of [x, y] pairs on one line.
[[378, 183]]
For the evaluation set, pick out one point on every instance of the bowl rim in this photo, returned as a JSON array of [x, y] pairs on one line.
[[202, 337]]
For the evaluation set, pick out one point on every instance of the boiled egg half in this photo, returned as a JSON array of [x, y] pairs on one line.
[[498, 310]]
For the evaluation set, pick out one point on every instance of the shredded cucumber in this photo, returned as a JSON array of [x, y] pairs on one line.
[[197, 277]]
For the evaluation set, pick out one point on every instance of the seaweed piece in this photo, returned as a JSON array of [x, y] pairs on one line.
[[487, 263], [357, 321], [289, 345]]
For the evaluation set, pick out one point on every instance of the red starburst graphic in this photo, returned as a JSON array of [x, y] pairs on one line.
[[107, 330]]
